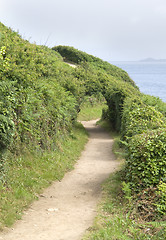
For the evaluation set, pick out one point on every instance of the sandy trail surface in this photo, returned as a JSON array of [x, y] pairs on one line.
[[67, 209]]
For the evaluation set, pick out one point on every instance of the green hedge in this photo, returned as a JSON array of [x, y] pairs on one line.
[[40, 97], [143, 132], [146, 159], [38, 100], [155, 102], [115, 95], [138, 117], [73, 55]]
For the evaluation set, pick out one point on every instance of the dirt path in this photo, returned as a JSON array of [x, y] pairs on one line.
[[67, 208]]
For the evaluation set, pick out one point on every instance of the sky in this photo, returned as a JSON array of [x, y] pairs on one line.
[[114, 30]]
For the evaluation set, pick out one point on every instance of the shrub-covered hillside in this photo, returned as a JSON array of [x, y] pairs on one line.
[[141, 121], [73, 55], [39, 100], [41, 95], [31, 97]]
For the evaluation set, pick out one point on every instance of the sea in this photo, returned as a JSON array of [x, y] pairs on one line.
[[150, 77]]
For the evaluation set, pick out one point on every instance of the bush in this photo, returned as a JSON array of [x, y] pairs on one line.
[[6, 132], [37, 94], [73, 55], [146, 159], [116, 94], [143, 132], [155, 102], [40, 97], [138, 117], [161, 203]]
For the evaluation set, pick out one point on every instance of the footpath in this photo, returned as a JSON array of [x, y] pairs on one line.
[[67, 209]]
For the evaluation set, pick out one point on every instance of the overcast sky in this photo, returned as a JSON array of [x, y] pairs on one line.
[[110, 29]]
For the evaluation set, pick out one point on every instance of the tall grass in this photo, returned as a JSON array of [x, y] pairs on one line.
[[91, 109], [28, 174]]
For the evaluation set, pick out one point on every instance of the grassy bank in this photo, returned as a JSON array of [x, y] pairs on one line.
[[91, 109], [28, 174], [40, 97], [118, 215]]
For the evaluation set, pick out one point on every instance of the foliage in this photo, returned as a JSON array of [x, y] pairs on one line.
[[28, 173], [115, 96], [146, 159], [117, 217], [143, 133], [138, 117], [91, 108], [155, 102], [31, 94], [73, 55], [41, 96], [161, 206]]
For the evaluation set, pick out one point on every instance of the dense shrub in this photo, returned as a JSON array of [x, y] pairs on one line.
[[115, 95], [155, 102], [40, 97], [146, 159], [73, 55], [138, 117], [37, 94], [144, 130]]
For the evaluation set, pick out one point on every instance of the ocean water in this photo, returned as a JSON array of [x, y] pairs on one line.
[[150, 77]]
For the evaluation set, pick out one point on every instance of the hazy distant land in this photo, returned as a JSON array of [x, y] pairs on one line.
[[152, 60]]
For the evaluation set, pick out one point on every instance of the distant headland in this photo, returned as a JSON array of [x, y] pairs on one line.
[[152, 60]]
